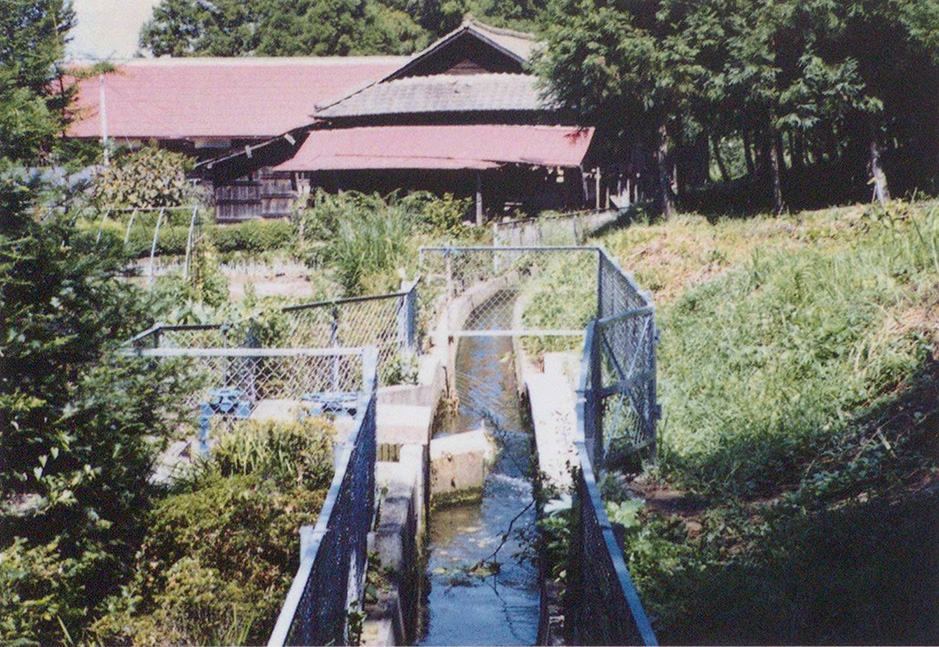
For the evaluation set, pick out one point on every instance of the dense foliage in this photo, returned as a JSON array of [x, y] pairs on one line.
[[222, 547], [150, 177], [316, 27], [79, 426], [33, 95], [370, 241], [850, 88]]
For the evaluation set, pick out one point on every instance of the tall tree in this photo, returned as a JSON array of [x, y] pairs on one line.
[[851, 84], [33, 97], [624, 66], [316, 27]]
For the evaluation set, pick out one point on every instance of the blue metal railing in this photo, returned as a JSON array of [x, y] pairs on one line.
[[333, 559], [616, 399]]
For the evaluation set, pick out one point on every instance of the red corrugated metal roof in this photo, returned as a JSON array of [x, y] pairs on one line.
[[227, 98], [440, 147]]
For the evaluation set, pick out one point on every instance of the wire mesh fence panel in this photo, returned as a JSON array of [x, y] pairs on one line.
[[331, 577], [626, 390], [605, 605], [618, 292], [231, 384], [563, 229], [551, 290], [388, 322], [192, 336]]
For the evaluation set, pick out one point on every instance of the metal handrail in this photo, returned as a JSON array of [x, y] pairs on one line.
[[325, 522]]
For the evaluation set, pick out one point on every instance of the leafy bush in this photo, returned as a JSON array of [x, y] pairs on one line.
[[253, 236], [439, 215], [81, 426], [223, 546], [367, 251], [293, 454], [400, 368], [150, 177], [38, 592]]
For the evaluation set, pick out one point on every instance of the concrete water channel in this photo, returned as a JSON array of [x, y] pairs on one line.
[[484, 587]]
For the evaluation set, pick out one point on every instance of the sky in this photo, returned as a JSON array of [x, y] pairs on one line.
[[107, 28]]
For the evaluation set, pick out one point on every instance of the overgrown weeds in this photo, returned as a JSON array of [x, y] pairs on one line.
[[799, 383]]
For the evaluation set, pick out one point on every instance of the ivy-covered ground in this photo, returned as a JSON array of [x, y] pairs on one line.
[[794, 497]]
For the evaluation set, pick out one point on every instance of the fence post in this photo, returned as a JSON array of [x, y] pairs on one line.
[[334, 343], [156, 237], [451, 350], [593, 400]]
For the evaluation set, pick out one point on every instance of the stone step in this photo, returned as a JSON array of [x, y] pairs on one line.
[[403, 424]]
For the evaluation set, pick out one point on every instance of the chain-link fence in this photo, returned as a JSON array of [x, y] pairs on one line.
[[619, 370], [562, 229], [388, 321], [232, 384], [603, 606], [333, 561], [189, 336], [616, 415], [514, 291]]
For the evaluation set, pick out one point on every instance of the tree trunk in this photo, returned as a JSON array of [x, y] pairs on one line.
[[881, 190], [797, 150], [665, 174], [774, 163], [780, 152], [715, 140], [747, 152]]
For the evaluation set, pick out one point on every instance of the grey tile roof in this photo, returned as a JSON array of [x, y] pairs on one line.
[[443, 93], [517, 42]]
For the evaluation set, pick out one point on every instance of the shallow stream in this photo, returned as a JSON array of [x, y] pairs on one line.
[[486, 605]]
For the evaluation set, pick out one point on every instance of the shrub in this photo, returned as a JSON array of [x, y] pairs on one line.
[[150, 177], [367, 251], [296, 453], [439, 215], [80, 425], [253, 236], [223, 546]]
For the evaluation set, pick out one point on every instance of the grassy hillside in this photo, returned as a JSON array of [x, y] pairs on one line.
[[794, 498]]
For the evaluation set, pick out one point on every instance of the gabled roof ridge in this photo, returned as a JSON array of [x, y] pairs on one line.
[[469, 24], [455, 78], [503, 31]]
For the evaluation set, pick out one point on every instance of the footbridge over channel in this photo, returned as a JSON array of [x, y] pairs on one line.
[[579, 339]]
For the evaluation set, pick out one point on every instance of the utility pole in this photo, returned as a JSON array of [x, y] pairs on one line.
[[104, 121]]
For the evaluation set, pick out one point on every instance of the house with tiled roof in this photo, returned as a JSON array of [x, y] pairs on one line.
[[463, 116]]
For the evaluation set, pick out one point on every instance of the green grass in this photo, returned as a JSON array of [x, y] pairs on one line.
[[798, 377]]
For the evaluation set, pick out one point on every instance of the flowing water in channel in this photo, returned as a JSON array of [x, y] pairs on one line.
[[466, 607]]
